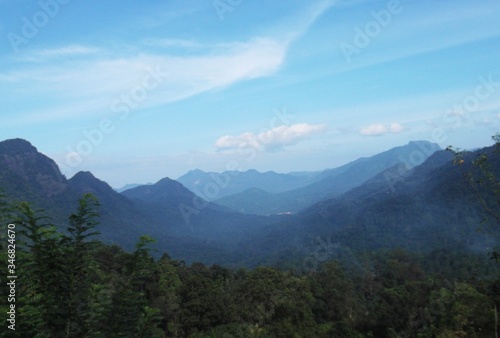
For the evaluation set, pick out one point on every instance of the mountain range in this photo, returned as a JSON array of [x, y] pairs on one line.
[[272, 193], [130, 186], [410, 196]]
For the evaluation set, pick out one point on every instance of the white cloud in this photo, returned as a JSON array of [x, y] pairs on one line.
[[378, 129], [396, 128], [374, 130], [273, 139]]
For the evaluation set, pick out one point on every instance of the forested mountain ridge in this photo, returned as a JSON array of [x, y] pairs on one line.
[[235, 182], [129, 186], [73, 286], [192, 217], [381, 260], [422, 209], [24, 171], [330, 182], [187, 226], [402, 205], [31, 176]]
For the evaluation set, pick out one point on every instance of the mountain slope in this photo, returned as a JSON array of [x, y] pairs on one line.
[[431, 206], [333, 182], [250, 201], [26, 172], [419, 207], [170, 202], [122, 221], [234, 182], [211, 235], [129, 186], [28, 175]]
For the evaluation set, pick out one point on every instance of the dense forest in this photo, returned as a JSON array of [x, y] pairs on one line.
[[71, 286], [68, 284]]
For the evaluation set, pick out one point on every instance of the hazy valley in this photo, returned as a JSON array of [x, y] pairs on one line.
[[335, 253], [410, 197]]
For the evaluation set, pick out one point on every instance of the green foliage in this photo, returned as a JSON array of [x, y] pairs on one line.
[[98, 310], [52, 293], [84, 221], [147, 324], [463, 310], [481, 173], [74, 287]]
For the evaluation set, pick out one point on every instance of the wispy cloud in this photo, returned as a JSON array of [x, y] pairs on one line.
[[75, 75], [271, 140], [310, 15], [49, 54], [173, 43], [80, 80]]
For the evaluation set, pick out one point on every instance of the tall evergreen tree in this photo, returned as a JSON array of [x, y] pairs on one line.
[[41, 253], [81, 267]]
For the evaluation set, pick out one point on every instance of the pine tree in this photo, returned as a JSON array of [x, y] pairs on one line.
[[81, 268], [131, 312], [41, 259]]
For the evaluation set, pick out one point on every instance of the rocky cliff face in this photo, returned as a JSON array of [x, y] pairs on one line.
[[21, 165]]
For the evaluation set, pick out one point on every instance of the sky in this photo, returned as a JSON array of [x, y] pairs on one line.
[[138, 91]]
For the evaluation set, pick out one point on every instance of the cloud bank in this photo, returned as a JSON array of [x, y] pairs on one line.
[[272, 139]]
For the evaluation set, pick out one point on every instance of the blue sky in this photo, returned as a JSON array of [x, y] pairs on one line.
[[135, 92]]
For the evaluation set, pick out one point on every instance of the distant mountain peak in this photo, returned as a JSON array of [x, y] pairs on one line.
[[22, 164], [164, 191], [166, 180], [17, 146], [195, 171], [420, 141], [86, 182], [130, 186], [84, 174], [425, 142]]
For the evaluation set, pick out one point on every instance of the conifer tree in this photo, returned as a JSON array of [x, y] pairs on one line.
[[81, 268], [41, 259]]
